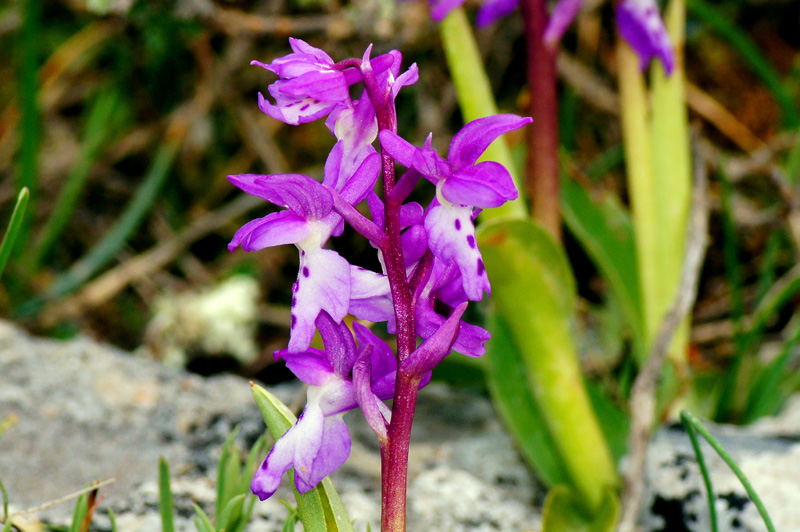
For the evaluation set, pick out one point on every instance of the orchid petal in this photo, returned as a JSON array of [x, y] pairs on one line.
[[471, 339], [323, 283], [275, 229], [451, 237], [340, 347], [333, 452], [641, 26], [310, 366], [436, 347], [370, 295], [491, 10], [400, 149], [563, 15], [367, 400], [486, 184], [382, 362], [473, 139], [298, 193]]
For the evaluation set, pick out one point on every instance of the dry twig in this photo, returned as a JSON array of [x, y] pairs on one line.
[[643, 394]]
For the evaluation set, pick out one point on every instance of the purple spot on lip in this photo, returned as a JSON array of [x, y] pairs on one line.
[[306, 106], [458, 224], [306, 273], [294, 321], [481, 269], [471, 241], [294, 302]]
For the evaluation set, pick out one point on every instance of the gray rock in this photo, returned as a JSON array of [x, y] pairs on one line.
[[88, 412]]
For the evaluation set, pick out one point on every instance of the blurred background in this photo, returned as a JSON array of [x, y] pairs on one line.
[[124, 118]]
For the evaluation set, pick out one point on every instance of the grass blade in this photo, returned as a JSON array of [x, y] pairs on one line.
[[81, 507], [116, 237], [201, 521], [165, 497], [102, 121], [688, 419], [14, 226], [701, 463], [765, 395]]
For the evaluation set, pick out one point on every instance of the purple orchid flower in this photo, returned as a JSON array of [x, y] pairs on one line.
[[461, 184], [323, 282], [638, 22], [310, 85], [429, 258], [490, 10], [319, 442]]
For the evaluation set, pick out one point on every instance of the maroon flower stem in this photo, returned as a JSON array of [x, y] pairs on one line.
[[542, 166], [394, 453]]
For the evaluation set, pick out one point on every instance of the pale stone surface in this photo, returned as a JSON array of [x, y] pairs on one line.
[[88, 411], [677, 499]]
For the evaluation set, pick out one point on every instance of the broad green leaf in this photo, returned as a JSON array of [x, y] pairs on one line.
[[232, 512], [320, 509], [513, 398], [563, 512], [534, 295], [604, 229], [165, 497], [614, 422]]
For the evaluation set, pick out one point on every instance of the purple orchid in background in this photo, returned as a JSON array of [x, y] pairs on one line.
[[638, 21], [431, 266]]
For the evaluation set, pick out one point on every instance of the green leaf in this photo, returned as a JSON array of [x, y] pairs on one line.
[[201, 521], [563, 512], [604, 229], [165, 497], [534, 295], [14, 225], [508, 384], [320, 509], [232, 512]]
